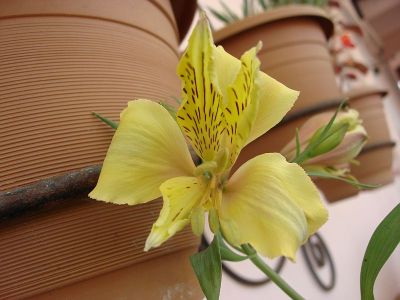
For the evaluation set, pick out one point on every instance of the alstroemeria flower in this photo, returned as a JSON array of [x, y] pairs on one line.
[[227, 103]]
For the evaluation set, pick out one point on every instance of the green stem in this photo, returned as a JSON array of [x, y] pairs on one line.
[[259, 263]]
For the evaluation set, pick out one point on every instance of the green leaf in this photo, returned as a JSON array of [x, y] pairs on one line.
[[263, 4], [229, 12], [381, 245], [110, 123], [245, 8], [207, 266], [298, 147], [319, 137], [350, 180], [228, 254], [220, 16]]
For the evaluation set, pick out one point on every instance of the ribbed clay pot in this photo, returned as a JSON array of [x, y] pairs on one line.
[[62, 60], [376, 158]]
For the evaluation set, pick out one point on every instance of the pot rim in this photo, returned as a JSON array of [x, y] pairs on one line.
[[277, 14]]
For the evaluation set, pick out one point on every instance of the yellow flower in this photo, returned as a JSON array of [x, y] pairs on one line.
[[227, 103]]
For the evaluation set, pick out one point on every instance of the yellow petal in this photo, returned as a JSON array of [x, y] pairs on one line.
[[181, 195], [275, 100], [241, 107], [271, 204], [200, 115], [227, 68], [147, 149]]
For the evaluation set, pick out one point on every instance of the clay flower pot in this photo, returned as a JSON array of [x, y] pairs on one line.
[[62, 60]]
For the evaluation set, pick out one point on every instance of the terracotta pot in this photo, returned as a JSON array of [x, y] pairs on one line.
[[136, 282], [368, 100], [294, 50], [81, 240], [64, 59]]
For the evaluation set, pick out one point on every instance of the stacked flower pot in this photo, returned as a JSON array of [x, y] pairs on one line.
[[357, 77], [61, 61]]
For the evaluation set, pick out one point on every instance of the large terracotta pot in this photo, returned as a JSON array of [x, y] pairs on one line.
[[294, 50], [82, 240], [62, 60], [136, 282]]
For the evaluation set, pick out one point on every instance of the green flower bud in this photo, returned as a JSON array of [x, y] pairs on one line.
[[342, 143]]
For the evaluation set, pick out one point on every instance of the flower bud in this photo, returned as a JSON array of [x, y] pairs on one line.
[[346, 137]]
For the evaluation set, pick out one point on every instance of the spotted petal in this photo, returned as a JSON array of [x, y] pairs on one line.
[[200, 115], [180, 195], [227, 68], [241, 107], [270, 99], [147, 149], [271, 204]]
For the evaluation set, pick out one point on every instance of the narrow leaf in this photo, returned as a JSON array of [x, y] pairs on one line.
[[245, 8], [318, 137], [263, 4], [298, 148], [110, 123], [207, 266], [381, 245], [229, 11], [349, 180], [220, 16]]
